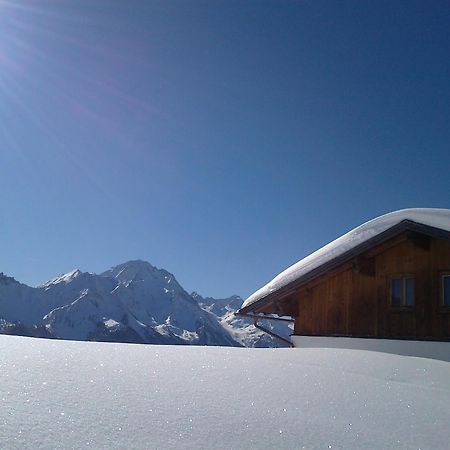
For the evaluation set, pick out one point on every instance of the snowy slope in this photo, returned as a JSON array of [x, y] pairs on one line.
[[20, 303], [241, 328], [68, 394], [66, 288], [434, 217]]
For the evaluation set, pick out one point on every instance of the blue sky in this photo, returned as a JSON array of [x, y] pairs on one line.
[[221, 140]]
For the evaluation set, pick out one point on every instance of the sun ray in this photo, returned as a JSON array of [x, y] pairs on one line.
[[45, 86]]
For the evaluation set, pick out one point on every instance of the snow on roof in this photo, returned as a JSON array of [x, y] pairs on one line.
[[434, 217]]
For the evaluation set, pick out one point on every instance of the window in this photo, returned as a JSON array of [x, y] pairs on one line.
[[446, 290], [402, 292]]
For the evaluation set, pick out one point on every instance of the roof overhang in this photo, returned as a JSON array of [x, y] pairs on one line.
[[401, 227]]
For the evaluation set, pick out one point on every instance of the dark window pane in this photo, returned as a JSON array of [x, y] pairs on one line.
[[446, 288], [409, 292], [396, 292]]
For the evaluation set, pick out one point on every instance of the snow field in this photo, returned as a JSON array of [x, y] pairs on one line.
[[67, 394]]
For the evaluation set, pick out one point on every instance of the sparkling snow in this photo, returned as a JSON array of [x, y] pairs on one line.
[[66, 394], [111, 323], [434, 217]]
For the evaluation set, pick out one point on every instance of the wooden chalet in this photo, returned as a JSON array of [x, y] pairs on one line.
[[388, 278]]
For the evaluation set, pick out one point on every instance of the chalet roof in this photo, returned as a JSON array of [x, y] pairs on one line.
[[430, 221]]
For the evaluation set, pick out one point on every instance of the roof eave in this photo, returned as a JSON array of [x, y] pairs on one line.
[[404, 225]]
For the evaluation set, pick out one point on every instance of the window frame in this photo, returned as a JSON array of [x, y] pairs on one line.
[[442, 276], [403, 306]]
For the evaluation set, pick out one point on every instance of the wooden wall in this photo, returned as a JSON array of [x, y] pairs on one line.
[[354, 299]]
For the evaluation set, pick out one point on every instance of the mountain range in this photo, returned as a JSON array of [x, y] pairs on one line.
[[133, 302]]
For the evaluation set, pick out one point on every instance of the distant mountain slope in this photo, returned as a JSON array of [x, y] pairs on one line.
[[240, 328], [21, 303], [135, 300], [132, 302]]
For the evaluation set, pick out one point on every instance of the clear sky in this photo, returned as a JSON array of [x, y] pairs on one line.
[[220, 140]]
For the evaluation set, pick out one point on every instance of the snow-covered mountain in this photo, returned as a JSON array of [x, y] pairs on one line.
[[135, 301], [21, 303], [132, 302], [241, 328]]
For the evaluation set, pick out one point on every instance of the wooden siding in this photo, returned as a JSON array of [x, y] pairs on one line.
[[354, 299]]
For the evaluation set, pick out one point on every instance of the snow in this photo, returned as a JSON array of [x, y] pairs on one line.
[[434, 217], [67, 394], [241, 328], [424, 349], [111, 323], [64, 278]]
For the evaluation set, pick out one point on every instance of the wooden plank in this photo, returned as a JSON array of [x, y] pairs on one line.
[[351, 303]]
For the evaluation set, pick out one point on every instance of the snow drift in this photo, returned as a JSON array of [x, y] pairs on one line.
[[68, 394]]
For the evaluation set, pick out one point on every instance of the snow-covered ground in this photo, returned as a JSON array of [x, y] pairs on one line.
[[67, 394]]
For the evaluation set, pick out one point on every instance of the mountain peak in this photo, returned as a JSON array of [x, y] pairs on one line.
[[73, 274], [68, 277], [137, 263], [131, 270], [64, 278], [4, 279]]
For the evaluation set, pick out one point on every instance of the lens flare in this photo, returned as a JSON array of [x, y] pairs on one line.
[[62, 67]]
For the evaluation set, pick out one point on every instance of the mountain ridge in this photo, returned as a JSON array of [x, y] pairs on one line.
[[131, 302]]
